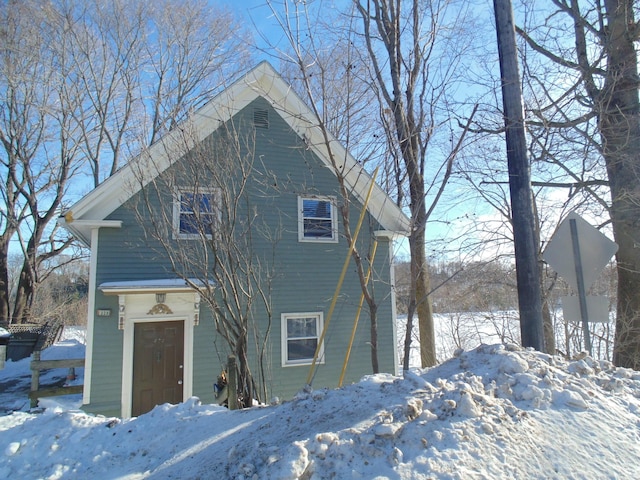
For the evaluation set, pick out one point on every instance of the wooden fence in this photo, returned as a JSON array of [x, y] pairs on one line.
[[37, 365]]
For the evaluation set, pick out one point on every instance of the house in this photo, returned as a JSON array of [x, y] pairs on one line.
[[151, 337]]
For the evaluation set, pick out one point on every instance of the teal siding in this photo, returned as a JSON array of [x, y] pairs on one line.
[[106, 373], [306, 276], [206, 362]]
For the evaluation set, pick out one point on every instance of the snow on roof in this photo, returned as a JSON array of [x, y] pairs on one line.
[[155, 284]]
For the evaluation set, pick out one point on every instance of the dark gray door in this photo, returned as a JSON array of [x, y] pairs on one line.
[[158, 365]]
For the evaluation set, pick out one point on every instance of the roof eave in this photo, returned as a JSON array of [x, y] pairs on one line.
[[262, 81], [81, 229]]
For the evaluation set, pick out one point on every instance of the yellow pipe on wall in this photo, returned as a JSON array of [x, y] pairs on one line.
[[357, 319], [341, 279]]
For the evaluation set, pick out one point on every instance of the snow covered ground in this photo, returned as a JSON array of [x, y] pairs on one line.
[[15, 377], [493, 412]]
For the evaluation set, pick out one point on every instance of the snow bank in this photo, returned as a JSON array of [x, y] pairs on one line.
[[494, 412]]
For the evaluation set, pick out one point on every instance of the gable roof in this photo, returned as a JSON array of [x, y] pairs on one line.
[[262, 81]]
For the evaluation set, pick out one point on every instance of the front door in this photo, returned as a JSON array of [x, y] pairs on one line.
[[158, 365]]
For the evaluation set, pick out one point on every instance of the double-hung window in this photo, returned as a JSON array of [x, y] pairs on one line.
[[300, 336], [317, 219], [194, 213]]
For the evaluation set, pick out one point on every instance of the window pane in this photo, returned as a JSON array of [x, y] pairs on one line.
[[188, 223], [301, 349], [317, 228], [317, 218], [196, 202], [316, 208], [204, 202], [186, 203], [301, 327], [196, 212]]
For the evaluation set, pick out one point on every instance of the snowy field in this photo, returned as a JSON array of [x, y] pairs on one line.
[[494, 412], [464, 330]]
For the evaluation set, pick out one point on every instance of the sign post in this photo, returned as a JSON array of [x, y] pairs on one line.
[[582, 294]]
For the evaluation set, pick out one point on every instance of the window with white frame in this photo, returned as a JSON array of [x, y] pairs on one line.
[[317, 219], [300, 336], [194, 213]]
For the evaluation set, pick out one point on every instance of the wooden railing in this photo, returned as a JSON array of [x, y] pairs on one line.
[[37, 365]]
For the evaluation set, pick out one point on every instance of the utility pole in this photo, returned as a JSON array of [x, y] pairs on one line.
[[523, 220]]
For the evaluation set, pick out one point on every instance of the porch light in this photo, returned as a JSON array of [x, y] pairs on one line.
[[196, 309], [121, 310]]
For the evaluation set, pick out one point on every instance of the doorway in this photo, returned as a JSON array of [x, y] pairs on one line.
[[158, 365]]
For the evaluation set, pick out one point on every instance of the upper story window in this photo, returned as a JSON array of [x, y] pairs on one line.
[[194, 213], [317, 219]]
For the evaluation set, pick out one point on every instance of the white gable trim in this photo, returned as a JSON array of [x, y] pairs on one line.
[[262, 81]]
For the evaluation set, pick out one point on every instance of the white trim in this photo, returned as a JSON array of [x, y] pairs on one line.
[[262, 81], [82, 228], [394, 316], [161, 285], [334, 219], [137, 306], [284, 339], [93, 223], [388, 234], [91, 304]]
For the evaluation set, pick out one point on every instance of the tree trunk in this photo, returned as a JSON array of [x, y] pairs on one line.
[[24, 296], [402, 91], [411, 308], [420, 275], [244, 376], [620, 130], [28, 275], [548, 331], [5, 287], [547, 325]]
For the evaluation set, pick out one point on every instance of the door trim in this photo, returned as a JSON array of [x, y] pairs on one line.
[[142, 302]]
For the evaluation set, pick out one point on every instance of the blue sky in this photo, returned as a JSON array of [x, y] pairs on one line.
[[259, 17], [258, 13], [451, 216]]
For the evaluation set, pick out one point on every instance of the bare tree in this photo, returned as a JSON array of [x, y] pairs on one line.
[[82, 84], [323, 64], [219, 247], [412, 78], [598, 64], [195, 51], [144, 66], [105, 41], [40, 150]]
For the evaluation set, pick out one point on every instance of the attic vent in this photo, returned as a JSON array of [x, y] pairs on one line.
[[260, 118]]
